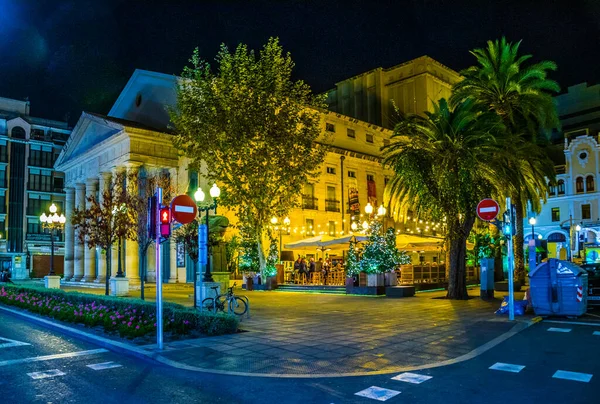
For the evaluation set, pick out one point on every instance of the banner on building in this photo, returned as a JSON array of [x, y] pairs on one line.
[[371, 192], [353, 203]]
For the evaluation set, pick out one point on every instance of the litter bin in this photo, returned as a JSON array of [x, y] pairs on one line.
[[558, 288]]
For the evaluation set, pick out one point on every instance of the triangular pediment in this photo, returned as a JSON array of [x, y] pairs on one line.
[[89, 132]]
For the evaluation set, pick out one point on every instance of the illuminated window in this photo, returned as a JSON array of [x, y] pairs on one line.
[[556, 214], [561, 187], [352, 174], [330, 170]]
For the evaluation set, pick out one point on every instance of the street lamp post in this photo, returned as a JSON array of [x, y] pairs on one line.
[[215, 192], [52, 222], [532, 222], [286, 222], [578, 229]]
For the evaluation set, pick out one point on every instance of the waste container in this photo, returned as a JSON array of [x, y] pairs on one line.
[[558, 288]]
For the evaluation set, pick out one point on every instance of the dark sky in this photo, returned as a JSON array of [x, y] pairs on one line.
[[74, 55]]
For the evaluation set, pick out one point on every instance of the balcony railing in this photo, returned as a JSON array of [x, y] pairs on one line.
[[332, 205], [309, 202]]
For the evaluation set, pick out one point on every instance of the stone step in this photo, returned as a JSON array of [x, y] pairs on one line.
[[340, 290]]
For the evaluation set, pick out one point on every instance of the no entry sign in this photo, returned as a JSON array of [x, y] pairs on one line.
[[184, 209], [488, 209]]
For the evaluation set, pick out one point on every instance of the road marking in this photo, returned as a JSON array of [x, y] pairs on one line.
[[578, 377], [377, 393], [596, 333], [507, 367], [11, 343], [104, 365], [50, 357], [554, 329], [572, 322], [413, 378], [47, 373]]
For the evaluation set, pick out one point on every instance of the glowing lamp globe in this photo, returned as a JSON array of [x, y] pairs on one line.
[[369, 208], [215, 192], [199, 195]]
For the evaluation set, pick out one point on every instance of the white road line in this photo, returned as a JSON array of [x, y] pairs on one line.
[[11, 342], [50, 357], [413, 378], [572, 322], [104, 365], [377, 393], [575, 376], [596, 333], [45, 374], [554, 329], [507, 367]]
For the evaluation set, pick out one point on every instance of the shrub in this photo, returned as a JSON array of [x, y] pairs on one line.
[[129, 317]]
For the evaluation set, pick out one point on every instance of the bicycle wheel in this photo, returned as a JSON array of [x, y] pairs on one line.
[[238, 306], [209, 304]]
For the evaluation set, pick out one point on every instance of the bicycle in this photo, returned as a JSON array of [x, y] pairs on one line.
[[235, 304]]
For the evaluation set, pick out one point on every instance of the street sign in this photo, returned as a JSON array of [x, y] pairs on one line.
[[488, 209], [184, 209]]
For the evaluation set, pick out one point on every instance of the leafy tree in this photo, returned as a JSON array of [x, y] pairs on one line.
[[380, 253], [352, 263], [108, 220], [521, 95], [272, 259], [255, 129], [147, 183], [444, 165]]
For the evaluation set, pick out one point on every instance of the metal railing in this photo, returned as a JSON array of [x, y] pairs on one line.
[[332, 205], [309, 202]]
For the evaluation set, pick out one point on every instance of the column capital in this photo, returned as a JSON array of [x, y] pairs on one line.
[[133, 165], [80, 186], [92, 182]]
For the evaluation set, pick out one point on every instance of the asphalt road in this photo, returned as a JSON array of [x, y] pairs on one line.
[[28, 350]]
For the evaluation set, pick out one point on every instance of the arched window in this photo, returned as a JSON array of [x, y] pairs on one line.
[[557, 238], [560, 187], [18, 132], [579, 185], [589, 183], [551, 190]]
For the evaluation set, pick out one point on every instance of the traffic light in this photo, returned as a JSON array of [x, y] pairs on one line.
[[165, 222]]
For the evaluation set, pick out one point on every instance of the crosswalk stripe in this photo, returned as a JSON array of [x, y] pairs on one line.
[[50, 357], [596, 333], [413, 378], [11, 343], [104, 365], [377, 393], [555, 329], [507, 367], [575, 376], [45, 374]]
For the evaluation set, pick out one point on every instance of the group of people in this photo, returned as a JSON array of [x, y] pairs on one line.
[[300, 266]]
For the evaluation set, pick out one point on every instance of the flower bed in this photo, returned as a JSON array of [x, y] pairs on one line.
[[129, 318]]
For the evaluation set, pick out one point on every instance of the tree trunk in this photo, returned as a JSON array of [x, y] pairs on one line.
[[142, 270], [518, 242], [108, 269], [498, 270], [261, 257], [457, 234]]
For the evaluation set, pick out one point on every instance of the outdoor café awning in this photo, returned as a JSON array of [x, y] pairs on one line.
[[324, 241]]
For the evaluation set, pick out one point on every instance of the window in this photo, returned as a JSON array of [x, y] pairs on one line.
[[579, 185], [18, 132], [352, 174], [589, 183], [40, 180], [3, 177], [330, 170], [310, 226], [369, 138], [33, 226], [551, 190], [2, 201], [41, 156], [370, 177], [556, 238], [37, 134], [561, 187], [329, 127], [556, 214], [351, 133], [586, 211], [59, 184], [332, 228], [37, 203], [3, 152]]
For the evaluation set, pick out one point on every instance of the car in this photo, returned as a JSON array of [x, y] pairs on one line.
[[593, 270]]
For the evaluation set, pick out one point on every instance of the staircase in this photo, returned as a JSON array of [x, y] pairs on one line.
[[326, 289]]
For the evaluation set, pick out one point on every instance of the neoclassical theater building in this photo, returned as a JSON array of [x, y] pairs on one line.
[[135, 137]]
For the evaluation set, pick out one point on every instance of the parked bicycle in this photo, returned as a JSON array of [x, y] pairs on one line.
[[234, 304]]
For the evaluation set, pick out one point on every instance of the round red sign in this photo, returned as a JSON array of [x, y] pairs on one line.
[[488, 209], [184, 209]]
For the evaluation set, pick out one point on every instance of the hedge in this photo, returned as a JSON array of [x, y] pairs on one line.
[[129, 317]]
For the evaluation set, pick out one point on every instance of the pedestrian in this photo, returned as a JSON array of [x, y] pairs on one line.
[[297, 268], [303, 269]]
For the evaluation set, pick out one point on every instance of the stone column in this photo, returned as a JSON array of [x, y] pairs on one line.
[[115, 248], [151, 269], [79, 260], [173, 259], [132, 251], [69, 233], [105, 179], [90, 253]]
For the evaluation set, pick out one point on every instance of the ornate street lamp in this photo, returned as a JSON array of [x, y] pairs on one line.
[[52, 222], [215, 192], [381, 210], [286, 223], [369, 208], [532, 222]]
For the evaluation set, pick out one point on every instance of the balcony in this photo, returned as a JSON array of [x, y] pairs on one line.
[[309, 202], [332, 205]]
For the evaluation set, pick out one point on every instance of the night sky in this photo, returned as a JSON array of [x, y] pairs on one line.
[[69, 56]]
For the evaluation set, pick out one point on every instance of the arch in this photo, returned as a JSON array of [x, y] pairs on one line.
[[18, 132], [579, 185], [589, 183], [551, 189], [556, 237], [560, 187]]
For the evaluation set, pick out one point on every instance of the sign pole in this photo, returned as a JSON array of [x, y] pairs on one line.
[[159, 302], [511, 268]]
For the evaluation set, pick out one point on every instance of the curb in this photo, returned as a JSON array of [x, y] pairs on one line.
[[131, 350]]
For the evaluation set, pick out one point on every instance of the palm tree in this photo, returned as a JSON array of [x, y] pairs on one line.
[[444, 165], [521, 95]]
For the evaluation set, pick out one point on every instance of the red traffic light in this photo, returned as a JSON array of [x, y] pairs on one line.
[[165, 215]]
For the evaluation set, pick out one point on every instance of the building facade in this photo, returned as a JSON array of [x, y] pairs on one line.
[[29, 184], [575, 200]]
